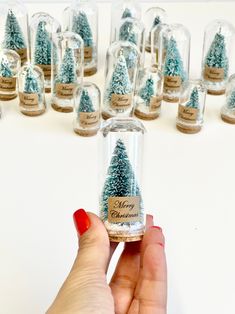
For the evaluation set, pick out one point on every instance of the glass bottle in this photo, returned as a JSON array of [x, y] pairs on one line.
[[87, 121], [153, 18], [132, 30], [42, 27], [14, 28], [122, 9], [31, 90], [121, 202], [82, 19], [149, 94], [191, 107], [174, 53], [122, 61], [228, 110], [9, 68], [68, 71], [218, 41]]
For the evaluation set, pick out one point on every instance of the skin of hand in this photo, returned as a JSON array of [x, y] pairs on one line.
[[138, 285]]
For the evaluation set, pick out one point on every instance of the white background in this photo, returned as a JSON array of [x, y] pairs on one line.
[[47, 172]]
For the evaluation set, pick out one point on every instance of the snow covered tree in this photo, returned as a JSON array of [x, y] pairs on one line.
[[127, 32], [173, 65], [67, 72], [147, 91], [80, 26], [5, 70], [43, 45], [14, 38], [85, 104], [126, 13], [120, 82], [231, 100], [194, 99], [217, 54], [156, 21], [120, 179], [31, 83]]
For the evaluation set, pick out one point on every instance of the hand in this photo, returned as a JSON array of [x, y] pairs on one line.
[[138, 285]]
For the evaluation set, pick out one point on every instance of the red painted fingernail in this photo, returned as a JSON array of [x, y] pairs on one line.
[[81, 221], [156, 227]]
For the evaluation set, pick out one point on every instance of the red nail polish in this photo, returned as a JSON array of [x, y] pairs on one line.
[[81, 221], [156, 227]]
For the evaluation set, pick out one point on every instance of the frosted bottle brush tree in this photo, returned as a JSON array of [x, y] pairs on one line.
[[231, 101], [147, 91], [127, 32], [80, 26], [67, 72], [85, 104], [194, 99], [5, 70], [126, 13], [43, 45], [228, 110], [31, 84]]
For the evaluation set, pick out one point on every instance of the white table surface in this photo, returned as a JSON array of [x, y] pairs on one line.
[[47, 172]]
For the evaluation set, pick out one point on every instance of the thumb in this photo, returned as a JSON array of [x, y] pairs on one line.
[[94, 246]]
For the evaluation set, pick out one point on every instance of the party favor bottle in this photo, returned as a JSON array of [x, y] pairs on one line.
[[14, 28], [68, 71], [191, 107], [31, 90], [82, 19], [218, 40], [174, 53], [9, 68], [121, 202], [87, 121], [42, 27], [149, 94], [228, 110]]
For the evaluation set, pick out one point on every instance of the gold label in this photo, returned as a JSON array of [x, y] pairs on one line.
[[23, 55], [46, 70], [155, 103], [172, 83], [187, 114], [87, 54], [121, 101], [28, 100], [89, 119], [7, 84], [65, 91], [124, 209], [214, 74]]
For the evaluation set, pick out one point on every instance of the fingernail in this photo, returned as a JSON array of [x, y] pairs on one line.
[[157, 227], [161, 244], [81, 221]]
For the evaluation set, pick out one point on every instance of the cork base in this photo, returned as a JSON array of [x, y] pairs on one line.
[[228, 119], [171, 99], [33, 113], [106, 115], [148, 49], [216, 92], [85, 133], [146, 116], [90, 72], [7, 97], [188, 129], [47, 90], [62, 109], [125, 238]]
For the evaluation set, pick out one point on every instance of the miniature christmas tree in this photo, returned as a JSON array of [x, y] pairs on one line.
[[156, 21], [120, 179], [5, 70], [67, 73], [42, 53], [147, 91], [85, 104], [127, 32], [173, 63], [217, 54], [231, 100], [80, 26], [31, 84], [120, 82], [126, 13], [194, 99], [14, 38]]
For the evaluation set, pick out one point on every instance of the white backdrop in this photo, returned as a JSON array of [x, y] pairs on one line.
[[47, 172]]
